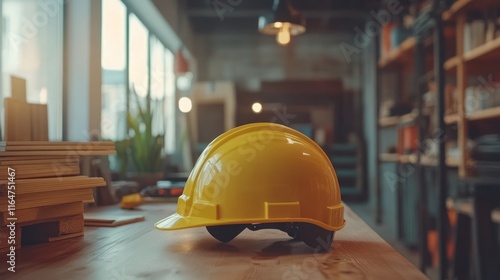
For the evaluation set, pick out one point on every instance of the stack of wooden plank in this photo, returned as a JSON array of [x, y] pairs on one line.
[[42, 180]]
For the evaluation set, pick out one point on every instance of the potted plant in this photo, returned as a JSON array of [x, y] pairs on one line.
[[141, 154]]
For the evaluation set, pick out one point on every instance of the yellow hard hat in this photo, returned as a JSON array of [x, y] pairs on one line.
[[262, 175]]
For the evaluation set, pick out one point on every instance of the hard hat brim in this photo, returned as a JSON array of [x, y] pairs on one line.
[[177, 221]]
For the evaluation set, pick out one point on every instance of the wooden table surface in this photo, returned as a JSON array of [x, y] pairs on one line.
[[139, 251]]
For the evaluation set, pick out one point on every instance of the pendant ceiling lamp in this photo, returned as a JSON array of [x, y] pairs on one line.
[[283, 22]]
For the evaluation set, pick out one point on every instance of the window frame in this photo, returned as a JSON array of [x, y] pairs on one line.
[[55, 87], [2, 117], [151, 34]]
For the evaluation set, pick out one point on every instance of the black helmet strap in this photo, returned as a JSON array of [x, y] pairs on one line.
[[291, 229], [313, 235]]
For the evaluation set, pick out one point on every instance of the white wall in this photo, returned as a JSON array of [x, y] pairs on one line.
[[243, 57], [82, 87]]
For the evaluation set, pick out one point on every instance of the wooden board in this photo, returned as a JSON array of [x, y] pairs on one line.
[[103, 220], [27, 149], [4, 160], [139, 251], [44, 213], [402, 52], [68, 148], [66, 236], [57, 153], [488, 52], [94, 144], [18, 88], [388, 157], [49, 198], [490, 113], [58, 161], [459, 7], [451, 119], [17, 120], [388, 121], [53, 169], [56, 184], [451, 63], [39, 122], [25, 198], [43, 148]]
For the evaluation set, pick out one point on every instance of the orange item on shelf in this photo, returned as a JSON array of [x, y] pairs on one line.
[[386, 38], [408, 139], [432, 241]]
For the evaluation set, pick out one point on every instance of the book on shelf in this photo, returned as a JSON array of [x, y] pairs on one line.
[[385, 39], [493, 29], [479, 32], [481, 28]]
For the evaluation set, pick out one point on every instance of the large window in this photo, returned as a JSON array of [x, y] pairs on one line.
[[157, 84], [140, 64], [32, 44], [163, 88], [170, 102], [138, 56], [114, 71]]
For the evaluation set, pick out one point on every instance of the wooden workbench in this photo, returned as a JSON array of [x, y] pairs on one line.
[[139, 251]]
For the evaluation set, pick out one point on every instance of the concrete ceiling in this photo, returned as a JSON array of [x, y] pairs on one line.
[[241, 16]]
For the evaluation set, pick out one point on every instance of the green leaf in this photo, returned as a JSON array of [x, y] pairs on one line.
[[143, 149]]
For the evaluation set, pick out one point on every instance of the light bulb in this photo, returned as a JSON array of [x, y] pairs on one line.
[[185, 104], [256, 107], [278, 24], [283, 36]]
